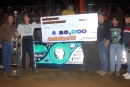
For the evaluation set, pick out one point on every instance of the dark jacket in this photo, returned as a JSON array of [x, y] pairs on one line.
[[103, 31], [126, 35]]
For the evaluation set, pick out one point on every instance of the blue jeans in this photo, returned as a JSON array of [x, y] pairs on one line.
[[115, 50], [128, 60], [103, 54], [6, 51]]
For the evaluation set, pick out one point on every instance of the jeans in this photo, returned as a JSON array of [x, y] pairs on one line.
[[27, 43], [128, 59], [115, 50], [103, 54], [6, 52]]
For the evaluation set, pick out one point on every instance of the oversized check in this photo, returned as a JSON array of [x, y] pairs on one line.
[[80, 27]]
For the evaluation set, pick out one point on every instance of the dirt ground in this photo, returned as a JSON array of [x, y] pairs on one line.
[[62, 78]]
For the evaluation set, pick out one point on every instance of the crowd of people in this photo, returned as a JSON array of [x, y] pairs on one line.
[[113, 30], [35, 14]]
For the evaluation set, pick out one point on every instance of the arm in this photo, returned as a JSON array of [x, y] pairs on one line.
[[36, 25], [108, 35], [0, 38], [121, 40], [19, 30]]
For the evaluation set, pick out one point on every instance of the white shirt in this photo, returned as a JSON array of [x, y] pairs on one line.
[[27, 30]]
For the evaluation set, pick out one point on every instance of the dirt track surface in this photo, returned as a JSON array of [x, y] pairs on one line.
[[62, 78]]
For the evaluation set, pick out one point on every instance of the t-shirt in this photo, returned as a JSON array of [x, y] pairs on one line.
[[116, 34], [27, 30], [68, 12]]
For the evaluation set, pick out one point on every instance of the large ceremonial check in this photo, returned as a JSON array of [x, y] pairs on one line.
[[80, 27]]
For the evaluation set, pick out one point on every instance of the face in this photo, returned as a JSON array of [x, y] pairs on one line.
[[39, 12], [26, 19], [115, 22], [10, 20], [90, 8], [22, 11], [70, 7], [118, 8], [25, 10], [101, 18], [109, 7], [33, 12], [57, 10], [127, 20], [1, 10]]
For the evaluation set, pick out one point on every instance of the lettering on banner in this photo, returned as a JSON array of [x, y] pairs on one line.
[[61, 38]]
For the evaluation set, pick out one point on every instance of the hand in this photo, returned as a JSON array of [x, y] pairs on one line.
[[16, 34], [0, 46], [107, 43]]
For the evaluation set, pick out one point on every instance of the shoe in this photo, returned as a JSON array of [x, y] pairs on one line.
[[117, 73], [35, 70], [127, 77], [125, 74], [102, 73], [1, 66], [110, 73], [5, 73], [21, 70], [99, 71]]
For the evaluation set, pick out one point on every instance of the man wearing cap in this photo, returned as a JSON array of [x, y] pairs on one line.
[[103, 43], [126, 39], [116, 33], [26, 32], [6, 34]]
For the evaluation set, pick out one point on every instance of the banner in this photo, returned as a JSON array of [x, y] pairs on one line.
[[58, 53], [68, 28]]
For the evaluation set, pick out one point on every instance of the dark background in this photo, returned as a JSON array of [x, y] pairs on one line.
[[4, 3]]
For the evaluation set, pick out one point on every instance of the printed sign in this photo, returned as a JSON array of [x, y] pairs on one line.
[[58, 53], [81, 27]]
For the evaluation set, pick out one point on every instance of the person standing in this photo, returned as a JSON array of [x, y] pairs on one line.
[[6, 33], [26, 32], [69, 11], [116, 33], [2, 17], [126, 39], [57, 12], [103, 43], [119, 13]]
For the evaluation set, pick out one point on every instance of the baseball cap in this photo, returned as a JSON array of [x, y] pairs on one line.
[[27, 15]]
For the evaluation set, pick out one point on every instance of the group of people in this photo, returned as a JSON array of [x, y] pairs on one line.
[[25, 30], [113, 36], [7, 31]]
